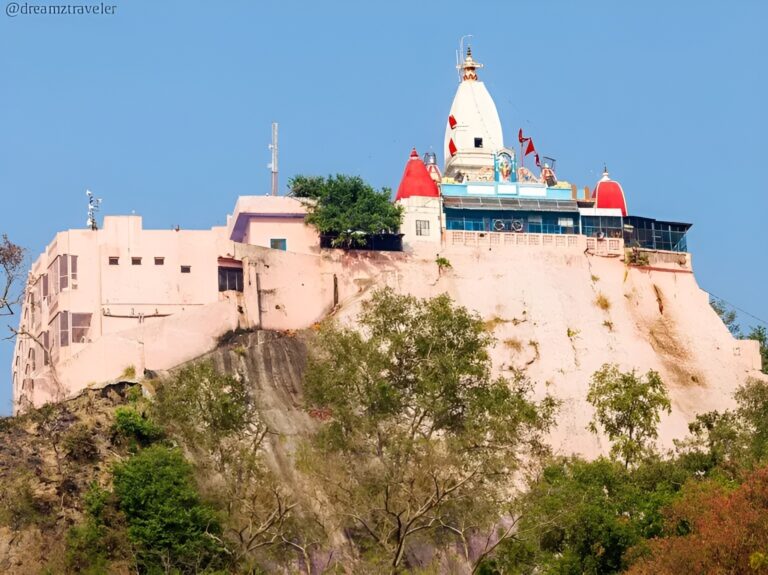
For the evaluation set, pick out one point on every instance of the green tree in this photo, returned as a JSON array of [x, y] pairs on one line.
[[727, 315], [582, 517], [208, 410], [760, 334], [752, 411], [627, 408], [421, 440], [716, 440], [172, 530], [348, 207], [213, 415]]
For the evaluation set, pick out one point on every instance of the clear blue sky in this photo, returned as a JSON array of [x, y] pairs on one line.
[[165, 108]]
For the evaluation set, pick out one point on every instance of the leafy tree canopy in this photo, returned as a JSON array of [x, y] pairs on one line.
[[347, 206], [627, 408], [420, 438], [167, 522], [583, 517], [727, 315]]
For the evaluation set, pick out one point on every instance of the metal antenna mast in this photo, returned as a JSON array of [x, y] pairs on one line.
[[273, 165], [93, 206]]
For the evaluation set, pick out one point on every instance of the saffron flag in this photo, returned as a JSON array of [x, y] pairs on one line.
[[530, 149], [520, 137], [451, 121], [452, 147]]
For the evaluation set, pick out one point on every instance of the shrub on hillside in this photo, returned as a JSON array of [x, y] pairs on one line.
[[132, 425], [79, 443], [169, 526]]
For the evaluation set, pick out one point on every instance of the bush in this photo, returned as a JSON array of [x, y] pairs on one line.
[[129, 372], [79, 443], [130, 424], [443, 264], [602, 302], [100, 539], [167, 522]]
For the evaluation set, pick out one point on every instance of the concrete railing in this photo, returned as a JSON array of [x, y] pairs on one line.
[[459, 238], [606, 246], [598, 246]]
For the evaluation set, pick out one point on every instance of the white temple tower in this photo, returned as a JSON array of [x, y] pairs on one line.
[[473, 132]]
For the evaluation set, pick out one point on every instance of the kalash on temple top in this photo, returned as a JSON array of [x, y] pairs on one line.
[[484, 188]]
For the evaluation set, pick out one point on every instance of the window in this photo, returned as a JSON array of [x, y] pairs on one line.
[[73, 270], [186, 269], [534, 219], [113, 261], [478, 142], [64, 329], [230, 279], [159, 261], [422, 227], [565, 222], [135, 261], [278, 244], [81, 325], [45, 287], [63, 272]]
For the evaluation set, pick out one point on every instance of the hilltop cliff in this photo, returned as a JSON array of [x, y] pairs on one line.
[[557, 316]]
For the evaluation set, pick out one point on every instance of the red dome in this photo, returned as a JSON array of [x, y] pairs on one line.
[[609, 194], [416, 180]]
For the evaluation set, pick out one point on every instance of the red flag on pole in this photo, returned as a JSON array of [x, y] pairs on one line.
[[520, 136], [538, 164], [451, 121], [530, 149], [452, 147]]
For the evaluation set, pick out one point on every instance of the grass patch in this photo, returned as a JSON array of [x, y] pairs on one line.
[[129, 372], [595, 278], [572, 333], [240, 350], [602, 302], [608, 324]]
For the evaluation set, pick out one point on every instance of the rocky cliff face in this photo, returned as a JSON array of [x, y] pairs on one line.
[[42, 483], [559, 315]]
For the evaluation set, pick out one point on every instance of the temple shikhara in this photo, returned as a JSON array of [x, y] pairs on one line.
[[122, 301]]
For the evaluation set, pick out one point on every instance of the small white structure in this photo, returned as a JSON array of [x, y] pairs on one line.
[[419, 195]]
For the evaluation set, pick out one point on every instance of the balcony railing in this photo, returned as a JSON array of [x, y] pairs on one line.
[[598, 246]]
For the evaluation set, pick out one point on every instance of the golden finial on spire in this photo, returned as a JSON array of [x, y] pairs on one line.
[[469, 66]]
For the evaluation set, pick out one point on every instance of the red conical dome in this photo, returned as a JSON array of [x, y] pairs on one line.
[[609, 194], [416, 180]]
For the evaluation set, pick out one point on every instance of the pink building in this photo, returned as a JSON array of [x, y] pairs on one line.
[[116, 288]]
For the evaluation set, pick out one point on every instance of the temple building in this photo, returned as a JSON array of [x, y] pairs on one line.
[[484, 186]]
